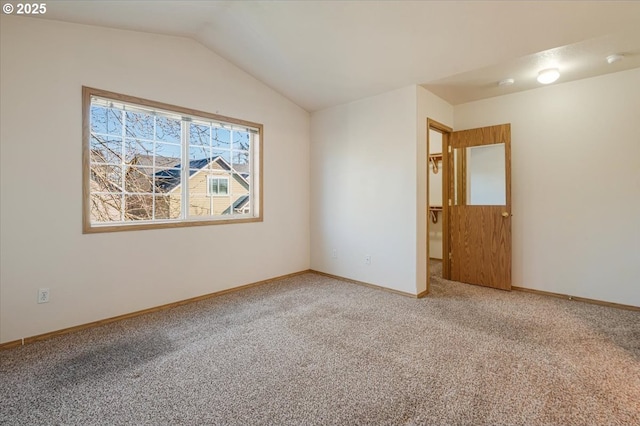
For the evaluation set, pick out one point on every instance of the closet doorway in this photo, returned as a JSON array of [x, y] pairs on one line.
[[437, 143]]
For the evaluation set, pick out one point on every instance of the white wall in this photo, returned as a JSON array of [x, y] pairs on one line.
[[369, 185], [576, 184], [363, 190], [91, 277]]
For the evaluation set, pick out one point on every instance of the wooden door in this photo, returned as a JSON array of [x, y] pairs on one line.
[[479, 208]]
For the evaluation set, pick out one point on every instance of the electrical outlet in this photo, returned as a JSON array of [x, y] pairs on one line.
[[367, 259], [43, 295], [334, 254]]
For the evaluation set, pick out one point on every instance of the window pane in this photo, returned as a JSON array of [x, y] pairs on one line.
[[240, 157], [199, 134], [240, 187], [241, 140], [106, 120], [138, 207], [106, 149], [241, 204], [167, 180], [98, 119], [241, 164], [139, 125], [199, 152], [106, 207], [106, 178], [199, 205], [223, 154], [219, 164], [221, 138], [199, 164], [241, 178], [114, 121], [139, 152], [168, 130], [221, 205], [167, 206], [197, 182], [167, 155], [139, 179]]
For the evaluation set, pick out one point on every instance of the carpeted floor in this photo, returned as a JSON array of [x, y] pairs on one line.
[[314, 350]]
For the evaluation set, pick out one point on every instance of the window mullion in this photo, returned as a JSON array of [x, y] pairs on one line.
[[123, 166], [253, 190], [153, 169], [184, 170], [229, 194], [211, 204]]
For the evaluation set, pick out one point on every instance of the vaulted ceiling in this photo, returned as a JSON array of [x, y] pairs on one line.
[[324, 53]]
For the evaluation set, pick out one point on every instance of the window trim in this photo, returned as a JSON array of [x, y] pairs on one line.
[[257, 181]]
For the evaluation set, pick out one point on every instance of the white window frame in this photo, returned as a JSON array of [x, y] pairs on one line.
[[254, 213]]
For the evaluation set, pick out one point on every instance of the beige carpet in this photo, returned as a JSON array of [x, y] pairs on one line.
[[313, 350]]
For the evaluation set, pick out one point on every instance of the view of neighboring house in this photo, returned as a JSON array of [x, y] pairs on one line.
[[215, 188]]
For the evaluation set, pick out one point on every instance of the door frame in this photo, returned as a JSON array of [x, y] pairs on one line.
[[445, 131]]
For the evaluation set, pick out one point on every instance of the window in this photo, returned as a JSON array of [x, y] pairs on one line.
[[217, 186], [151, 165]]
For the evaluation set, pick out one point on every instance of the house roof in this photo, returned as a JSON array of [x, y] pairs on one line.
[[148, 161], [239, 204], [169, 179]]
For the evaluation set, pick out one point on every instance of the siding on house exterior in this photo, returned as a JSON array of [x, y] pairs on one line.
[[202, 204]]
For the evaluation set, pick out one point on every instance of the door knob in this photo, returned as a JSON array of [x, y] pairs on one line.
[[505, 214]]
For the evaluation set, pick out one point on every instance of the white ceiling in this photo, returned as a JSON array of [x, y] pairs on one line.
[[324, 53]]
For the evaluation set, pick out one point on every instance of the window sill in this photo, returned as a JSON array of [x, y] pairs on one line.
[[96, 229]]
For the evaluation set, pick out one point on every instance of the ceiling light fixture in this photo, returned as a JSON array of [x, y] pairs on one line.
[[614, 58], [548, 76], [506, 82]]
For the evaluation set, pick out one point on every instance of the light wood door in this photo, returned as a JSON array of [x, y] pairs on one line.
[[480, 206]]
